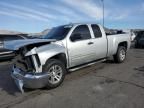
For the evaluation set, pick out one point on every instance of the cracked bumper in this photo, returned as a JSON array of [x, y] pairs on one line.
[[29, 80]]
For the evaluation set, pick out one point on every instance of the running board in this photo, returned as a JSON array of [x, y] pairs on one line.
[[86, 65]]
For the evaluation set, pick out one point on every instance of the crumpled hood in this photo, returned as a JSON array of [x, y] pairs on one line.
[[16, 44]]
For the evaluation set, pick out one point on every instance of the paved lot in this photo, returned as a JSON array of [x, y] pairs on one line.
[[103, 85]]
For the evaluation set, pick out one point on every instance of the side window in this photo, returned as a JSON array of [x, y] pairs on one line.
[[12, 37], [142, 35], [80, 33], [96, 30], [1, 39], [1, 42]]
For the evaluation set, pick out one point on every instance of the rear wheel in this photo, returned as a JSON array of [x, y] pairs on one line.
[[56, 70], [120, 56]]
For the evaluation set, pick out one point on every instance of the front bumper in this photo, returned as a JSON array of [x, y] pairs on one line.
[[29, 79]]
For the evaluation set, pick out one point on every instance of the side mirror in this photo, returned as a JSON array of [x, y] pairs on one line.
[[76, 37]]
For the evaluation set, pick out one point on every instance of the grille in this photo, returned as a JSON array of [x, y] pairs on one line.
[[24, 63]]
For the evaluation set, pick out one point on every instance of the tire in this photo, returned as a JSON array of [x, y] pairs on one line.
[[57, 72], [120, 56]]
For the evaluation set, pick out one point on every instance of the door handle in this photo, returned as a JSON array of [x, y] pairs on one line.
[[90, 43]]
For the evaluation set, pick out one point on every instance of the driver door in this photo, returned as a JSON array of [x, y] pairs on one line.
[[79, 46]]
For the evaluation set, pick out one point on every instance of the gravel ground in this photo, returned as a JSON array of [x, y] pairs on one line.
[[103, 85]]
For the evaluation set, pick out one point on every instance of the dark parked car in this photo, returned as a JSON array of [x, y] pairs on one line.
[[6, 54], [139, 40]]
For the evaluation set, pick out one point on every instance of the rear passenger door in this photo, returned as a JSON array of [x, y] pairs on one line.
[[100, 42]]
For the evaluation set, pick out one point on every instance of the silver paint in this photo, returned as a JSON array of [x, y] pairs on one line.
[[76, 52]]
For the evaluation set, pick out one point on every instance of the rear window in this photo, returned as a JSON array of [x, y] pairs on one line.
[[96, 30]]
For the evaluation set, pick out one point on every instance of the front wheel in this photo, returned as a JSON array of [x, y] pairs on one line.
[[120, 56], [56, 70]]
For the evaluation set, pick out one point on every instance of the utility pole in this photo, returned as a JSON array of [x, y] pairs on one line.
[[103, 11]]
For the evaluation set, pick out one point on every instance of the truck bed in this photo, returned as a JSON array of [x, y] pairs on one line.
[[114, 40]]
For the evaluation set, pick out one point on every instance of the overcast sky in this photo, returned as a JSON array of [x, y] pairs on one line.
[[37, 15]]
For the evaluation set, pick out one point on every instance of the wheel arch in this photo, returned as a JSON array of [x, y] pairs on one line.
[[61, 57], [124, 43]]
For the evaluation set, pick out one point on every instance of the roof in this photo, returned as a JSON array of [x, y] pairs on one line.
[[8, 32], [81, 23]]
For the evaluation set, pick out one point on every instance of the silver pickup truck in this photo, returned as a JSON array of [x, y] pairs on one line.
[[44, 62]]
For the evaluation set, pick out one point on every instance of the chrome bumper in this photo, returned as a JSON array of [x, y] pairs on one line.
[[29, 80]]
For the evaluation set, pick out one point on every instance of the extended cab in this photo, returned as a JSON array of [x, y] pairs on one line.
[[44, 62]]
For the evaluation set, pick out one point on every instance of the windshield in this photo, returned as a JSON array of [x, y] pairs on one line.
[[58, 33]]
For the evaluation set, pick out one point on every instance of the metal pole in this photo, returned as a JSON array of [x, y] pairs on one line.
[[103, 11]]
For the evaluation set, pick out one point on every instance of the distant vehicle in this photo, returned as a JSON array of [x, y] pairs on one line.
[[6, 54], [44, 62], [139, 40]]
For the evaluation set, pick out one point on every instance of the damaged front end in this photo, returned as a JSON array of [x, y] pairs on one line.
[[27, 68]]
